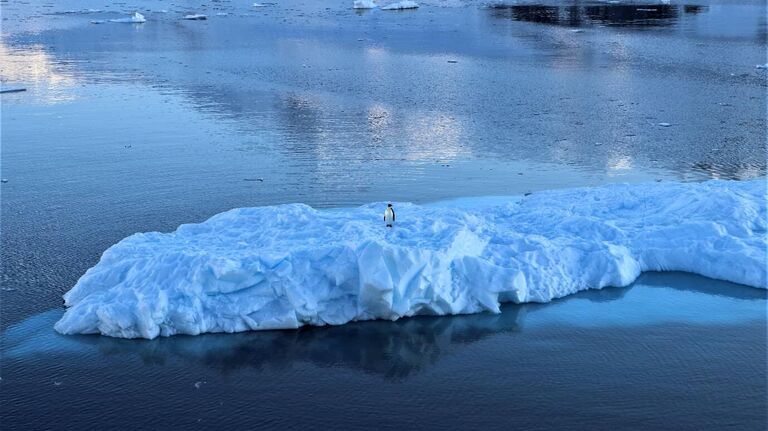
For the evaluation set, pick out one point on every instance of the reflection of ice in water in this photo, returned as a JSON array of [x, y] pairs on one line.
[[33, 68], [396, 350]]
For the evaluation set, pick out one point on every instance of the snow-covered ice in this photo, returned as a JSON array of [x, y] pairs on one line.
[[290, 265], [195, 17], [136, 18], [402, 5], [363, 4]]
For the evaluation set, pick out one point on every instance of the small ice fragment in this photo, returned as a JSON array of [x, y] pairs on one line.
[[402, 5], [665, 124], [577, 30], [195, 17], [762, 66], [136, 18], [261, 180], [363, 4], [222, 14], [258, 5], [198, 384], [4, 180], [56, 383], [97, 21], [453, 61]]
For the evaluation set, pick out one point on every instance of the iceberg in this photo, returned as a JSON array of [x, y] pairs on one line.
[[402, 5], [363, 4], [195, 17], [281, 267], [136, 18]]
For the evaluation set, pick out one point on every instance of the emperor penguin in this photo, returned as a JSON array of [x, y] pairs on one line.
[[389, 216]]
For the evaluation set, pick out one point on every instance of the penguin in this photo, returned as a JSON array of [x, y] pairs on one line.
[[389, 216]]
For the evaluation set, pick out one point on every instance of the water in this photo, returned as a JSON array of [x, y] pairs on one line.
[[672, 351], [126, 128]]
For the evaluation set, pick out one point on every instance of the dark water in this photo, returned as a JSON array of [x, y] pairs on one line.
[[126, 128], [673, 351]]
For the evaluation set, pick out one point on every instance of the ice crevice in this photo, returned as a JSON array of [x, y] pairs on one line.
[[286, 266]]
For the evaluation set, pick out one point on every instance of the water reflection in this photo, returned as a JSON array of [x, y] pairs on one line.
[[33, 67], [397, 350], [623, 15], [729, 171]]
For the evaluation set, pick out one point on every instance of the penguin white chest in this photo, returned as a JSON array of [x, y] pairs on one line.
[[389, 217]]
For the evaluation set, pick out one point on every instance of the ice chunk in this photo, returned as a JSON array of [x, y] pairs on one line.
[[364, 4], [402, 5], [136, 18], [290, 265], [195, 17]]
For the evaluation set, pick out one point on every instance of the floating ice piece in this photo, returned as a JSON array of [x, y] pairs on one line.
[[762, 66], [402, 5], [290, 265], [136, 18], [364, 4], [195, 17], [665, 124], [97, 21], [258, 5]]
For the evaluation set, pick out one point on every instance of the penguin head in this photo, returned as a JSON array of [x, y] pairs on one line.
[[389, 205]]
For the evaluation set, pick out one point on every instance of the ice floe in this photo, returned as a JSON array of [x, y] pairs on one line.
[[402, 5], [136, 18], [364, 4], [291, 265]]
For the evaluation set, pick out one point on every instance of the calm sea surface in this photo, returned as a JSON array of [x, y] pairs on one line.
[[140, 127]]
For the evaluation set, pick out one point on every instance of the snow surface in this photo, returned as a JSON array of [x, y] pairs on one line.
[[363, 4], [136, 18], [406, 4], [290, 265]]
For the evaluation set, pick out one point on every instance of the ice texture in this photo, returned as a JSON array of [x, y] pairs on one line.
[[402, 5], [136, 18], [291, 265]]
